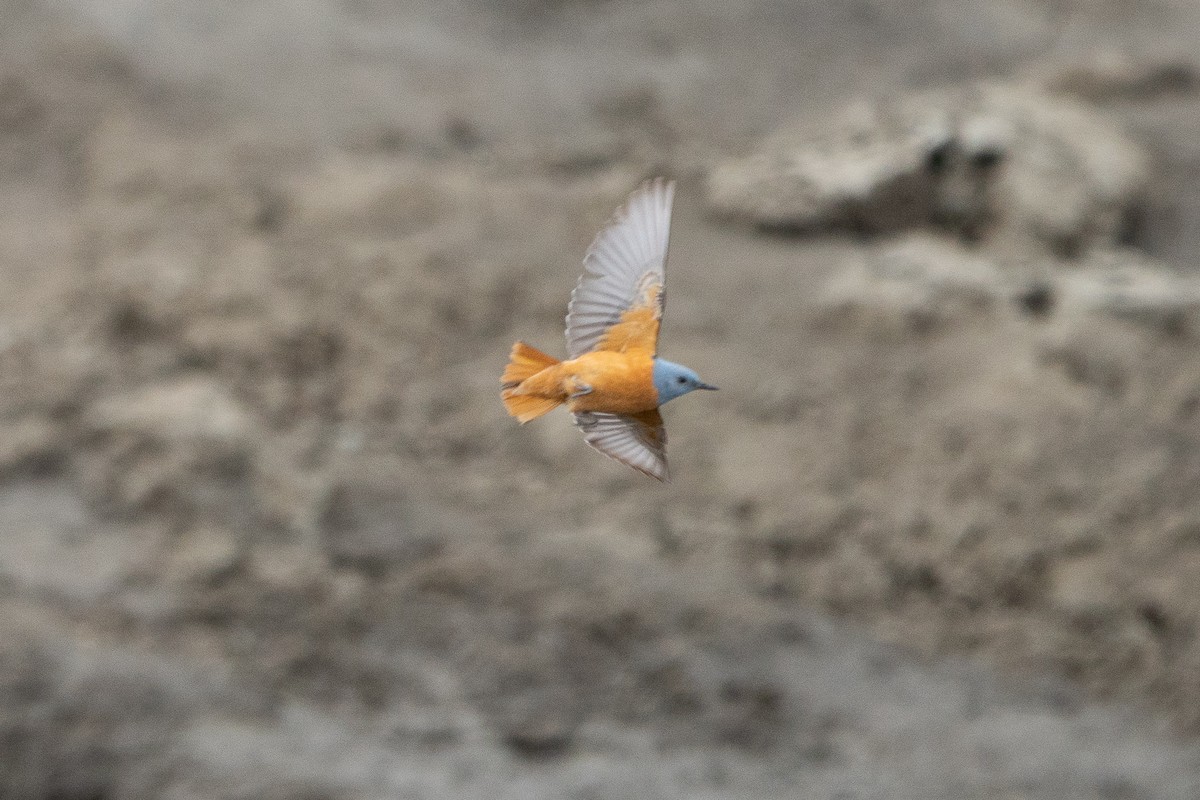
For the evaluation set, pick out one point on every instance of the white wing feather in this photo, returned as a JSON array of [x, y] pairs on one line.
[[627, 440], [631, 246]]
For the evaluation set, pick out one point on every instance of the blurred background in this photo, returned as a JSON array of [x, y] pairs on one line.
[[266, 532]]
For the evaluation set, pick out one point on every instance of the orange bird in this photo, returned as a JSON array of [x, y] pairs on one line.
[[613, 381]]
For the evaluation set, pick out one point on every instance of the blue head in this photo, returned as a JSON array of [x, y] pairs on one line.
[[672, 380]]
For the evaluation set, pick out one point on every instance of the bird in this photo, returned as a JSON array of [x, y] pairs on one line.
[[613, 381]]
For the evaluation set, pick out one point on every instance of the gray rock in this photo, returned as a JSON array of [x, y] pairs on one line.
[[1131, 287], [146, 448], [983, 161], [1104, 75], [191, 408], [924, 279], [51, 547], [916, 275], [206, 554]]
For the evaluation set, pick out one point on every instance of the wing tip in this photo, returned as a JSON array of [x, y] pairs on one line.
[[659, 188], [662, 475]]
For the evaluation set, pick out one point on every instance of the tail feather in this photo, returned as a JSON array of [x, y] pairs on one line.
[[524, 363], [526, 406]]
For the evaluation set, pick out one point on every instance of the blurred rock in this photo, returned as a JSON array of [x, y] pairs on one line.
[[19, 108], [387, 198], [207, 554], [917, 280], [375, 527], [984, 162], [1086, 588], [758, 463], [1106, 75], [53, 549], [191, 409], [1128, 286], [32, 445], [147, 445], [287, 568]]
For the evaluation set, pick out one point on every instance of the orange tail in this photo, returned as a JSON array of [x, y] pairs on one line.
[[525, 362]]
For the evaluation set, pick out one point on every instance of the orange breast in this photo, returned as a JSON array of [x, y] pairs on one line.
[[622, 383]]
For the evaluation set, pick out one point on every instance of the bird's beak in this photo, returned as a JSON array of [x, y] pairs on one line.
[[706, 386]]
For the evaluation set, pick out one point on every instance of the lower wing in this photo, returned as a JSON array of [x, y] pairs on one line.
[[636, 440]]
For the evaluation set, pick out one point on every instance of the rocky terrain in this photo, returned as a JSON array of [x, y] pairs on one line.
[[266, 532]]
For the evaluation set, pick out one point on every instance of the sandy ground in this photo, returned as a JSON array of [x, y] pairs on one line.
[[265, 530]]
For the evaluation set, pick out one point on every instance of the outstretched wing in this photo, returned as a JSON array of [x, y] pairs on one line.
[[636, 440], [618, 302]]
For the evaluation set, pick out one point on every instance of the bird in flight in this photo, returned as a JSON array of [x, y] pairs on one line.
[[613, 381]]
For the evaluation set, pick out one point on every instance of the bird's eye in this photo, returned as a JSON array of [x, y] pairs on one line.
[[681, 379]]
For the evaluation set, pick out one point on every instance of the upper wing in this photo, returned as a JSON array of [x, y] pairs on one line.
[[619, 299], [636, 440]]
